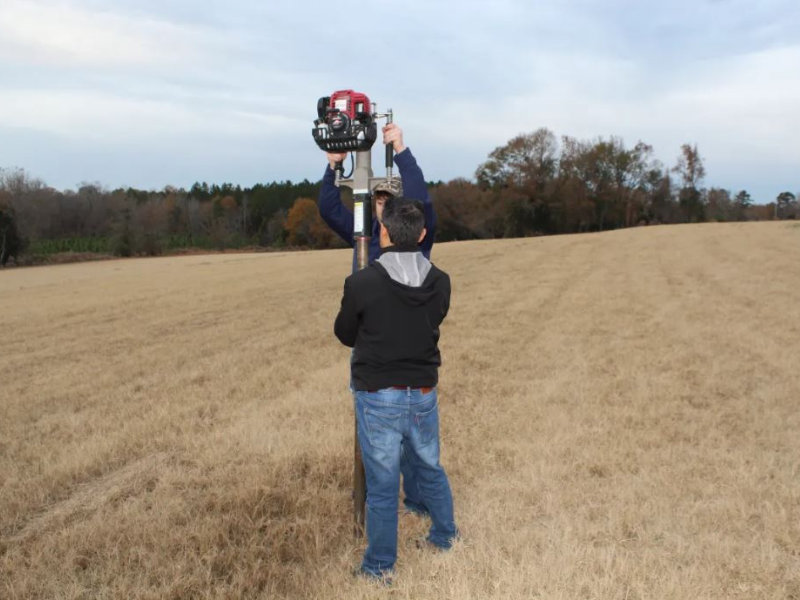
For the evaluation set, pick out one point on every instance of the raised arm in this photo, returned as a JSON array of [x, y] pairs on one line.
[[331, 209], [415, 187]]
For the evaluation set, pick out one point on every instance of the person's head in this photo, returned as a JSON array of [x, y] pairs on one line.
[[403, 223], [383, 191]]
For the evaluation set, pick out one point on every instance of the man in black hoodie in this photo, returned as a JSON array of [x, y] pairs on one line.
[[390, 314]]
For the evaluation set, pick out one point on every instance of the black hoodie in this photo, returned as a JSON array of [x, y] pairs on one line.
[[393, 327]]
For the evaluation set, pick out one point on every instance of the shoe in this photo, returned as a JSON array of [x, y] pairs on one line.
[[416, 510], [384, 579], [426, 544]]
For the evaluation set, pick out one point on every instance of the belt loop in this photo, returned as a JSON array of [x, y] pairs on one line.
[[408, 391]]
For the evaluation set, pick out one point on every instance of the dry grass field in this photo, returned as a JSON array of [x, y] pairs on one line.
[[620, 420]]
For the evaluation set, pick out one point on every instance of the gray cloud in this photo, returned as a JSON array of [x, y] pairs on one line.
[[150, 93]]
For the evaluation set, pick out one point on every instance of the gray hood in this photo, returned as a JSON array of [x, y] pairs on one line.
[[408, 268]]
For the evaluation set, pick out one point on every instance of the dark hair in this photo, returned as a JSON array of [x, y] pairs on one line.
[[404, 220]]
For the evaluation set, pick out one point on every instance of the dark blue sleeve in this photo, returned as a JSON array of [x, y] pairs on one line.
[[331, 209], [415, 188]]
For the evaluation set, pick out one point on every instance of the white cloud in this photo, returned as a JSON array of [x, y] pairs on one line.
[[755, 96], [462, 79], [740, 109], [57, 33], [106, 117]]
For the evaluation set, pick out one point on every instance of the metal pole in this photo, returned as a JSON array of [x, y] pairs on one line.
[[362, 233], [389, 149]]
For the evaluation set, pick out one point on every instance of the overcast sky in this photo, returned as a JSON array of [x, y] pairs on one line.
[[146, 93]]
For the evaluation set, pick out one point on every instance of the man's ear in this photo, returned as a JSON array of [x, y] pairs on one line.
[[422, 235]]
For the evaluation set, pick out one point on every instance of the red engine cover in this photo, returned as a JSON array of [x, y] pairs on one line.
[[350, 102]]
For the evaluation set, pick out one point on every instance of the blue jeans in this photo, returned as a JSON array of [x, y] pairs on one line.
[[413, 498], [391, 422]]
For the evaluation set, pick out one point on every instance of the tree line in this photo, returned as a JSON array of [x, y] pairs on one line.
[[535, 184]]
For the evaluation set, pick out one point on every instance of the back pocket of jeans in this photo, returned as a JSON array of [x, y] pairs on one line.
[[427, 423], [381, 427]]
